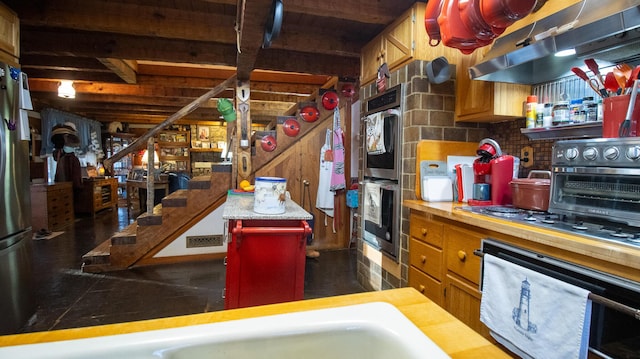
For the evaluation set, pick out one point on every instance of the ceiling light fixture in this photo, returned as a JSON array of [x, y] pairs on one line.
[[66, 90]]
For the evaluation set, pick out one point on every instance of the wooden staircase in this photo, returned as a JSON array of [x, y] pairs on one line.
[[295, 158], [151, 232]]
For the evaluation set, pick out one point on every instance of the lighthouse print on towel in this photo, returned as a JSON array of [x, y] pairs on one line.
[[520, 313]]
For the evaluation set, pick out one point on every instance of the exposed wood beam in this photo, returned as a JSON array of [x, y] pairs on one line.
[[254, 18], [153, 92], [120, 68], [99, 45]]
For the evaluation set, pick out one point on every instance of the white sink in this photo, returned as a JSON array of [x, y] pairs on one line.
[[372, 331]]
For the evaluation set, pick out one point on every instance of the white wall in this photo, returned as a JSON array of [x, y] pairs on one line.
[[212, 224]]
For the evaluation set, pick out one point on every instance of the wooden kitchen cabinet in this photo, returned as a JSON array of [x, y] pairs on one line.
[[97, 194], [51, 206], [462, 293], [9, 36], [426, 256], [444, 268], [395, 45], [485, 101]]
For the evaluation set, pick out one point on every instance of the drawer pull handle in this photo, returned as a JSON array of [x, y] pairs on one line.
[[423, 231], [423, 259], [421, 288], [462, 255]]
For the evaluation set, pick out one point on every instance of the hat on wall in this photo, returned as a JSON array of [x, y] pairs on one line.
[[66, 132]]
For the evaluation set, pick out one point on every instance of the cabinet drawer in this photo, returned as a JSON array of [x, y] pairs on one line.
[[426, 230], [459, 254], [426, 285], [426, 258]]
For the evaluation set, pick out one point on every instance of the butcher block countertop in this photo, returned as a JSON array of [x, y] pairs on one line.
[[453, 337], [618, 259]]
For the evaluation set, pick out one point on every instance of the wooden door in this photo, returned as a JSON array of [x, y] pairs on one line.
[[301, 162]]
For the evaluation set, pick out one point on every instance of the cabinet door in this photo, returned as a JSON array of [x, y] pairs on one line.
[[395, 46], [398, 40], [473, 98], [9, 35], [371, 59], [462, 300], [459, 253]]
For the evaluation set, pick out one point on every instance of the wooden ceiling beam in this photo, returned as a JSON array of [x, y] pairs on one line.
[[102, 45], [153, 92], [120, 68]]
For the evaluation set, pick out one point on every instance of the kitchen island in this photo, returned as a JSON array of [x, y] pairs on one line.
[[453, 337], [265, 252]]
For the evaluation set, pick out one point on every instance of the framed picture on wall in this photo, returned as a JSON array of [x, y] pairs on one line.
[[203, 133]]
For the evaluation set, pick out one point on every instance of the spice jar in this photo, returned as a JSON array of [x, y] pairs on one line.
[[590, 109], [560, 113]]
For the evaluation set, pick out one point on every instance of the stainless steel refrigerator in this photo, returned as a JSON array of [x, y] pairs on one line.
[[16, 301]]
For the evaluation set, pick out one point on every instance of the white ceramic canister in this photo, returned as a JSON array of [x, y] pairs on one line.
[[269, 195]]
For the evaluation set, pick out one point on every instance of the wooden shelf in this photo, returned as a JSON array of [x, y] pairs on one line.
[[206, 149]]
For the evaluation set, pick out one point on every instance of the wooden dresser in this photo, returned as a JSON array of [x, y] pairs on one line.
[[51, 206], [97, 194]]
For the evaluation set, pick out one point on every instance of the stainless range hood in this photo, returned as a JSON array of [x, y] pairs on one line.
[[608, 31]]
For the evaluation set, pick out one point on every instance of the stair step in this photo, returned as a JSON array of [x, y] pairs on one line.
[[125, 236], [150, 219], [176, 199], [200, 182], [99, 256]]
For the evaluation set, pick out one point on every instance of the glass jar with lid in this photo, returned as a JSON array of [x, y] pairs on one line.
[[576, 111], [590, 109], [560, 113]]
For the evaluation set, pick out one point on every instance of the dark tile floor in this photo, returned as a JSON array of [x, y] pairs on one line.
[[69, 298]]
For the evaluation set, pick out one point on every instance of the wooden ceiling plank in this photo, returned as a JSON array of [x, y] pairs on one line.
[[130, 18]]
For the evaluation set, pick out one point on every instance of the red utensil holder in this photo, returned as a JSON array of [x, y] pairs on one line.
[[614, 111]]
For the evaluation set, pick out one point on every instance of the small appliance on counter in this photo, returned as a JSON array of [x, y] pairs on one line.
[[493, 172]]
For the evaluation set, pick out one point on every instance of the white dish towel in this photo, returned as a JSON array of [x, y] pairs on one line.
[[375, 134], [373, 203], [532, 314]]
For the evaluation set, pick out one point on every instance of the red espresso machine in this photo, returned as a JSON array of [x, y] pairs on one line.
[[492, 173]]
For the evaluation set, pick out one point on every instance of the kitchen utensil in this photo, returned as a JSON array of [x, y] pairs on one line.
[[633, 77], [438, 70], [431, 13], [503, 13], [532, 193], [583, 75], [620, 78], [625, 127], [626, 70], [593, 66], [472, 18], [268, 143], [436, 185], [291, 127], [454, 33], [309, 113], [610, 83], [330, 100]]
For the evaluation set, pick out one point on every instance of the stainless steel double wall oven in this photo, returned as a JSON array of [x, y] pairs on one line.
[[383, 173]]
